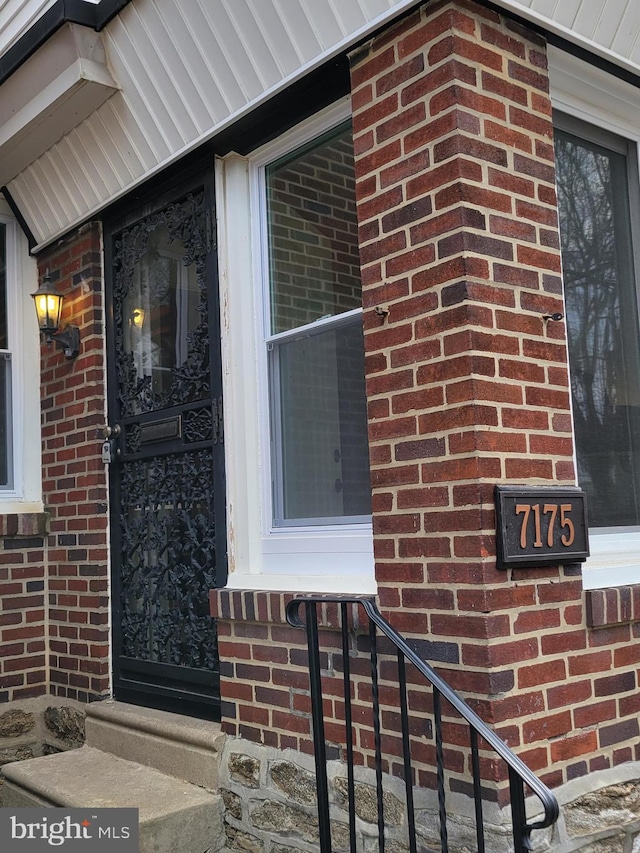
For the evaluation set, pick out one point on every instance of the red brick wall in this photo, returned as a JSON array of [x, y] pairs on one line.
[[468, 382], [468, 387], [74, 477], [265, 674], [263, 668], [23, 659]]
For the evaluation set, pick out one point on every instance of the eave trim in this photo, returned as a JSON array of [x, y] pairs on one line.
[[28, 233], [95, 16]]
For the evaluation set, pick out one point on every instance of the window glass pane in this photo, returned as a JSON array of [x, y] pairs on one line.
[[313, 233], [3, 289], [322, 459], [161, 318], [5, 422], [318, 406], [602, 325]]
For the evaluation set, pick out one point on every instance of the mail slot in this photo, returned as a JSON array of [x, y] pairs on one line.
[[540, 526], [163, 430]]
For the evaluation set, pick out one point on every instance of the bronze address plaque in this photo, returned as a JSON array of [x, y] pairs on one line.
[[540, 526]]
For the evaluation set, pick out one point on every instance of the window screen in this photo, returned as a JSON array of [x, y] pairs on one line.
[[602, 322]]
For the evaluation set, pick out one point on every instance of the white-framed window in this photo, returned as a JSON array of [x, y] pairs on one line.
[[20, 462], [597, 137], [299, 497]]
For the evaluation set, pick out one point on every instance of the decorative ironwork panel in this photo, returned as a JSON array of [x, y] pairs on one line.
[[168, 559], [160, 309], [132, 438], [198, 425]]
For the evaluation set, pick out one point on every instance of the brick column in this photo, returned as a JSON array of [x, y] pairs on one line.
[[466, 379], [74, 477]]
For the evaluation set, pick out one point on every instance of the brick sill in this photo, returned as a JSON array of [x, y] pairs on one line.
[[613, 606], [253, 605], [605, 607], [24, 524]]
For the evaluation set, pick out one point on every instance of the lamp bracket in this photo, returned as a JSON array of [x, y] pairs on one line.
[[68, 339]]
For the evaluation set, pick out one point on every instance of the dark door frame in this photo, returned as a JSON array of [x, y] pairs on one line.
[[152, 684]]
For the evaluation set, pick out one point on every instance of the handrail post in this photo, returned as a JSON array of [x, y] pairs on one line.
[[377, 736], [519, 774], [348, 726], [317, 716], [521, 830], [406, 752], [442, 806]]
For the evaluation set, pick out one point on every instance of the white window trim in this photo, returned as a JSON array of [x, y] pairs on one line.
[[589, 93], [22, 275], [318, 559]]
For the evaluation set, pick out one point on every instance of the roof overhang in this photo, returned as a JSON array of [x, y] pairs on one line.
[[32, 118], [66, 183]]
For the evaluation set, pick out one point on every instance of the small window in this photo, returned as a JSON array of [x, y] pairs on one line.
[[297, 459], [314, 339], [595, 175]]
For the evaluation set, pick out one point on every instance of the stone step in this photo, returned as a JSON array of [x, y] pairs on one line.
[[174, 815], [177, 745]]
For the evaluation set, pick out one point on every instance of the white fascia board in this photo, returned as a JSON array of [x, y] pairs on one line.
[[569, 35], [589, 93]]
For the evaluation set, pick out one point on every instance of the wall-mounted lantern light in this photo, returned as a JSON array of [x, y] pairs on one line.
[[49, 308]]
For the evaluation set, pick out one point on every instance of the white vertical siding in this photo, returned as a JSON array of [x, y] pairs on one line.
[[16, 16], [187, 68], [611, 25]]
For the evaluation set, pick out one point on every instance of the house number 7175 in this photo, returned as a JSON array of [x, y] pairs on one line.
[[540, 526], [555, 513]]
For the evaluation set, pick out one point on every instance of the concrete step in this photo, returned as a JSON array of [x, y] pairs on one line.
[[177, 745], [175, 816]]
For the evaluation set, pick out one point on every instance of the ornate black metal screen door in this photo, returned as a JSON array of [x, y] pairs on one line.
[[165, 445]]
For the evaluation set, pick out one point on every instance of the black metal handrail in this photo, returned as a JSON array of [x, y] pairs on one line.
[[520, 776]]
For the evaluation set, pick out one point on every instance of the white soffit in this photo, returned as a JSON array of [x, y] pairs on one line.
[[34, 115], [608, 28], [189, 68], [186, 69]]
